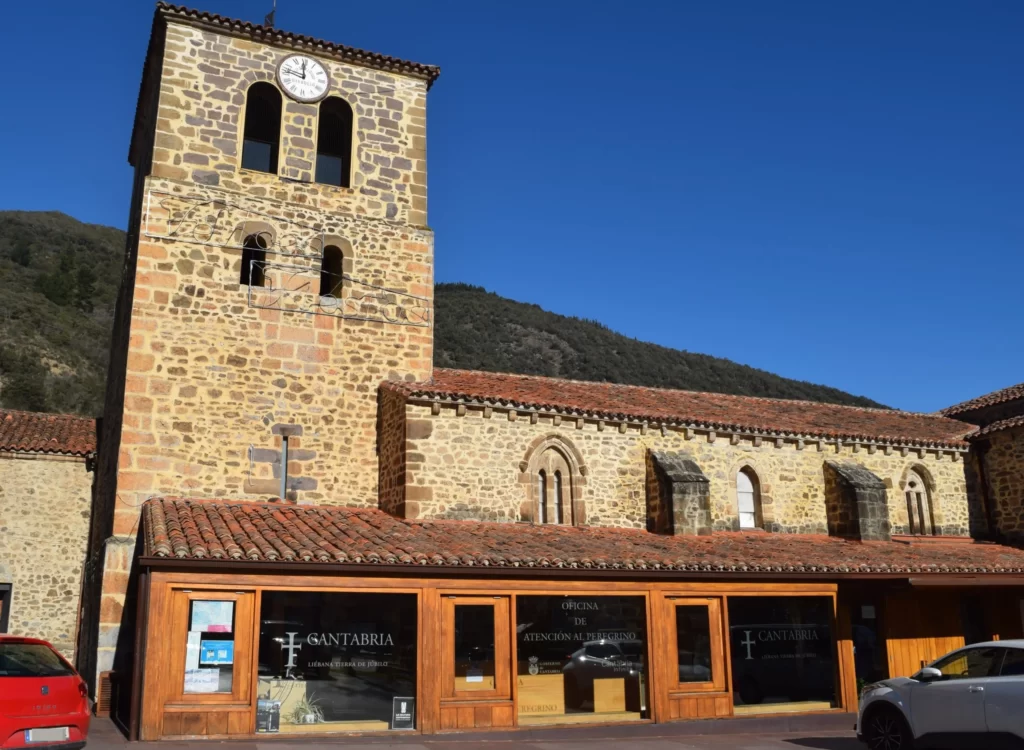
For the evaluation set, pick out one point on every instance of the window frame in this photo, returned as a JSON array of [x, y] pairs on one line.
[[1007, 650], [346, 158], [920, 513], [718, 667], [337, 289], [261, 247], [502, 648], [241, 675], [276, 148], [755, 495], [964, 653]]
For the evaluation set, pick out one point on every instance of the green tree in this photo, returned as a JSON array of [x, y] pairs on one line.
[[86, 288], [22, 254]]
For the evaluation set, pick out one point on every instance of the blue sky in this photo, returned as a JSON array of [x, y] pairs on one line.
[[830, 191]]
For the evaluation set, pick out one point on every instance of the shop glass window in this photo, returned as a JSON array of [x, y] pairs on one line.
[[693, 641], [335, 662], [474, 647], [581, 655], [782, 652], [210, 649]]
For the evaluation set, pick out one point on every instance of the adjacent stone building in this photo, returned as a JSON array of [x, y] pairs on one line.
[[997, 465], [46, 478], [474, 441]]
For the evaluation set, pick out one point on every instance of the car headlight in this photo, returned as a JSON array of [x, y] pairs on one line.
[[873, 686]]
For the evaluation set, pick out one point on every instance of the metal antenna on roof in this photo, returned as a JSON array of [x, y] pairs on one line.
[[268, 21]]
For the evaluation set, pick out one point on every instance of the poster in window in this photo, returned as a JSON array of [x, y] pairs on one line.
[[202, 680], [212, 616], [216, 653]]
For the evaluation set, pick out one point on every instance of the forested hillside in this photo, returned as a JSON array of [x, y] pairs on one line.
[[59, 278]]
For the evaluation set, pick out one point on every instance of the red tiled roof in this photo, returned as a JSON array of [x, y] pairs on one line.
[[31, 432], [1012, 393], [1003, 424], [221, 531], [273, 35], [708, 410]]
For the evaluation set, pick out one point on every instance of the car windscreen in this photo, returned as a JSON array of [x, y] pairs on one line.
[[31, 660]]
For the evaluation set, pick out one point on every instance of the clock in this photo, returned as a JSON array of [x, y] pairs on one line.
[[303, 78]]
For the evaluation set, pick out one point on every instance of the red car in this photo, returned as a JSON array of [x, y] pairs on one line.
[[43, 701]]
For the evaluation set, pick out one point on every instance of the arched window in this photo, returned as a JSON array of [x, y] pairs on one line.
[[331, 271], [748, 499], [254, 257], [334, 142], [542, 496], [919, 506], [554, 492], [262, 133]]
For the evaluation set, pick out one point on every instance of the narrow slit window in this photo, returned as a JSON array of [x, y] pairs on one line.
[[254, 260], [334, 143], [542, 496], [331, 272], [262, 134], [558, 497]]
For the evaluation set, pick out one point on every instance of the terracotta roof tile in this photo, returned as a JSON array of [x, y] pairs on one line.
[[1003, 424], [272, 35], [31, 432], [1012, 393], [709, 410], [260, 532]]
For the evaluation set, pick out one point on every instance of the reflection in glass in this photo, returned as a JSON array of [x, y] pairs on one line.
[[782, 651], [331, 662], [474, 647], [693, 639], [581, 656]]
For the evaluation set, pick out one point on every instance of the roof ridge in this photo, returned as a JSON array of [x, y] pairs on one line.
[[422, 70], [48, 414], [998, 396]]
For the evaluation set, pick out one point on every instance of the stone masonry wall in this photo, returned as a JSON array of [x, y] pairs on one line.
[[202, 110], [1004, 472], [474, 460], [212, 367], [391, 435], [44, 526]]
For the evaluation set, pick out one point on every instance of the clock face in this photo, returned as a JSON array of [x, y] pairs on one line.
[[303, 78]]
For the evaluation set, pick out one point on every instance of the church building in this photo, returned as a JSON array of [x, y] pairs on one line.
[[301, 526]]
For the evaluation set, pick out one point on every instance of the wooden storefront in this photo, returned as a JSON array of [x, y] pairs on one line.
[[445, 699], [461, 635]]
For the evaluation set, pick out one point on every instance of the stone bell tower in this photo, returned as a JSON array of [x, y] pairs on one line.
[[278, 268]]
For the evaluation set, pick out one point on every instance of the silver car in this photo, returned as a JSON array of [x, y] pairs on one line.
[[972, 697]]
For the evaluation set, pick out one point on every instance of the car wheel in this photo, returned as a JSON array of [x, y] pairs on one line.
[[886, 729]]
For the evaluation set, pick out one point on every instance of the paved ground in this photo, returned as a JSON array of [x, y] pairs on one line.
[[792, 734]]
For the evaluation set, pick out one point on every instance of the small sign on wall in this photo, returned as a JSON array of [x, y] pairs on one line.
[[403, 713]]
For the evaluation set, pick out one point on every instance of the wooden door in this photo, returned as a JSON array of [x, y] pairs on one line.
[[206, 653], [694, 662], [698, 650], [476, 662]]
